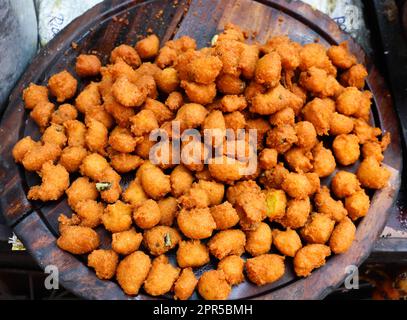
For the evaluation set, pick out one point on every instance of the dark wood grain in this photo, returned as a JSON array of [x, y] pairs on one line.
[[98, 30]]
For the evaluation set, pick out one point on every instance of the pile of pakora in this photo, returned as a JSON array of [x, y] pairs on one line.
[[311, 114]]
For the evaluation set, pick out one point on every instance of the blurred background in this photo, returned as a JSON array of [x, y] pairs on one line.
[[380, 26]]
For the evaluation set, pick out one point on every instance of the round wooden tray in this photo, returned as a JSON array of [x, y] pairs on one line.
[[113, 22]]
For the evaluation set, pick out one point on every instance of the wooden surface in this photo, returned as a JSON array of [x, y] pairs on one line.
[[104, 27]]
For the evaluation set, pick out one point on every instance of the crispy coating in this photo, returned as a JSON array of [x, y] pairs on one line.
[[340, 124], [169, 210], [88, 98], [64, 113], [212, 285], [264, 269], [232, 266], [96, 137], [80, 190], [22, 147], [160, 239], [205, 69], [215, 191], [287, 242], [127, 54], [344, 184], [87, 65], [346, 149], [199, 93], [319, 114], [62, 85], [314, 55], [127, 93], [148, 47], [268, 69], [155, 183], [134, 194], [357, 204], [318, 228], [225, 216], [297, 213], [167, 80], [287, 49], [192, 253], [125, 162], [274, 177], [297, 186], [373, 149], [306, 133], [121, 140], [283, 116], [42, 113], [281, 138], [235, 120], [196, 223], [234, 192], [174, 100], [181, 180], [76, 132], [55, 133], [93, 166], [90, 212], [104, 262], [320, 83], [112, 193], [268, 158], [259, 241], [100, 114], [310, 257], [214, 126], [227, 242], [299, 160], [329, 206], [230, 103], [55, 180], [117, 217], [126, 242], [226, 169], [275, 99], [353, 102], [230, 84], [132, 271], [365, 132], [372, 174], [354, 76], [35, 157], [342, 236], [341, 57], [147, 215], [251, 208], [185, 285], [323, 161], [78, 240], [34, 94], [191, 115], [276, 202], [161, 277]]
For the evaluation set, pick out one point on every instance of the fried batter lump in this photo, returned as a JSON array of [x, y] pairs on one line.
[[64, 113], [341, 57], [232, 267], [287, 50], [160, 239], [372, 174], [357, 204], [181, 180], [327, 205], [62, 85], [192, 253], [147, 215], [354, 77], [342, 236], [274, 100], [161, 277], [268, 70], [76, 132], [314, 55], [196, 223], [126, 242], [155, 183], [225, 216], [169, 211], [281, 138], [72, 157], [55, 180], [340, 124], [297, 213], [226, 243], [134, 194], [185, 285], [34, 94], [318, 229], [319, 113], [323, 162], [251, 207], [132, 271], [90, 212], [297, 186], [344, 184], [299, 160], [80, 190], [126, 54], [104, 262], [310, 257], [259, 241], [287, 242], [352, 102], [264, 269], [346, 149], [268, 158], [117, 217], [96, 136], [42, 113], [87, 65], [78, 239], [22, 147], [148, 47], [274, 177], [212, 285], [226, 169]]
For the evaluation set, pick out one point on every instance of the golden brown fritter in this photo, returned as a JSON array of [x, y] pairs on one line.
[[259, 240], [310, 257], [161, 239], [185, 285], [287, 242], [192, 253], [104, 262], [161, 277], [264, 269], [126, 242], [227, 242], [212, 285], [232, 266], [78, 240]]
